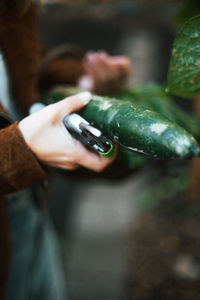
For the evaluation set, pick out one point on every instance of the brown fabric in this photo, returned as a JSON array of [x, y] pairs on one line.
[[20, 45], [62, 51], [20, 6], [19, 42], [19, 168], [61, 71], [60, 65]]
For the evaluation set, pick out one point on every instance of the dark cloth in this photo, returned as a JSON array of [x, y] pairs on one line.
[[19, 169]]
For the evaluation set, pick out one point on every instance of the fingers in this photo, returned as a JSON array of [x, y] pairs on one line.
[[123, 64], [104, 73], [64, 166], [70, 104], [122, 60], [92, 161], [86, 83], [99, 66]]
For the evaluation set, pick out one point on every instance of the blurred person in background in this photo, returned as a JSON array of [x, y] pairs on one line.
[[29, 263]]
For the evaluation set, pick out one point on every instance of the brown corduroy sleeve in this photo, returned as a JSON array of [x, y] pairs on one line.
[[19, 42], [60, 65], [19, 168], [61, 71]]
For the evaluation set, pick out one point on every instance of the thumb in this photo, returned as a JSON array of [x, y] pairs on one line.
[[73, 103]]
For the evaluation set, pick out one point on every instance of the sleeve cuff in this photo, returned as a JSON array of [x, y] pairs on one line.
[[19, 166]]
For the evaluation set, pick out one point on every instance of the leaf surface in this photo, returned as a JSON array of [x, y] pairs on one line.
[[184, 70]]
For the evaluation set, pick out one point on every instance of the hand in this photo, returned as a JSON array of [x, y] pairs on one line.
[[104, 73], [48, 139]]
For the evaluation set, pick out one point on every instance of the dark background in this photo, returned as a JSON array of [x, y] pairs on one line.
[[104, 249]]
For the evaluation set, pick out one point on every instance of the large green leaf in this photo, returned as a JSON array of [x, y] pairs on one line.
[[184, 70], [153, 96]]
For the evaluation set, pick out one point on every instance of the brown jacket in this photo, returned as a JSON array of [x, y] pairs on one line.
[[19, 167]]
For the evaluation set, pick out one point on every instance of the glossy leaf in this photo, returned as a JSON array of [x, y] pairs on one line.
[[184, 70]]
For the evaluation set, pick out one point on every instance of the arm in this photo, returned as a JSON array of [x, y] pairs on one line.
[[19, 166], [98, 72], [103, 73], [42, 138], [60, 65], [50, 141]]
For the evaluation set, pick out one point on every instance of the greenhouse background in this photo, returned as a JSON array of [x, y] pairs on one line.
[[134, 235]]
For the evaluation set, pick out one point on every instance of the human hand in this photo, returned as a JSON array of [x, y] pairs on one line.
[[49, 140], [104, 73]]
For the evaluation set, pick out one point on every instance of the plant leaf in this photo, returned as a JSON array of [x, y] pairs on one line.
[[184, 70]]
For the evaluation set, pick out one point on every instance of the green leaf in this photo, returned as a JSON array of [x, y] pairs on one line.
[[153, 96], [189, 9], [184, 70]]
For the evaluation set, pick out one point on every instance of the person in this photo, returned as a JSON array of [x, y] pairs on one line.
[[28, 256]]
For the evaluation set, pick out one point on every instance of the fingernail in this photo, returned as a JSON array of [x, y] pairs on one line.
[[85, 97]]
